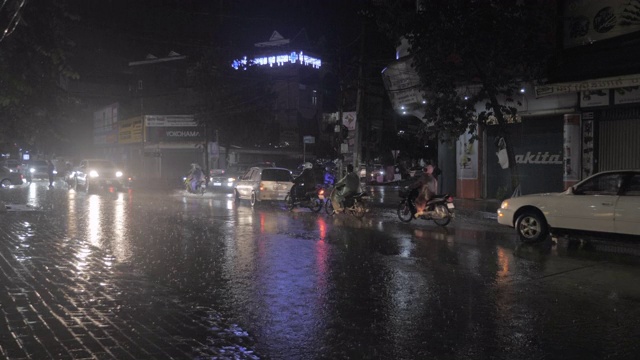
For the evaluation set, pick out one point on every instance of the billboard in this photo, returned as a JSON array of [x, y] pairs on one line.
[[172, 128], [588, 21]]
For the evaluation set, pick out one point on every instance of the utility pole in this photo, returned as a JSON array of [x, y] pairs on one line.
[[357, 144]]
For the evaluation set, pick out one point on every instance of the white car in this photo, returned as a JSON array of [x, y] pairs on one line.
[[97, 173], [607, 202], [263, 183]]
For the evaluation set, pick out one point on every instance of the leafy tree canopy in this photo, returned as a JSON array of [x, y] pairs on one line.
[[472, 52], [33, 68]]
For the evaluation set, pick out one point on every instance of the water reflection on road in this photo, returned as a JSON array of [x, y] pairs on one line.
[[308, 285]]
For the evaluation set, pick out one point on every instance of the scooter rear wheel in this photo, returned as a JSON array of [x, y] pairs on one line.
[[316, 205]]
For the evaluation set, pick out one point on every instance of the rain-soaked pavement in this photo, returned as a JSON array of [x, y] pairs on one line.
[[160, 274]]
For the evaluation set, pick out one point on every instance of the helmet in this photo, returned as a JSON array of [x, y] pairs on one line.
[[307, 165]]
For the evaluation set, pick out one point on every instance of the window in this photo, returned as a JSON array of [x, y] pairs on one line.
[[605, 184], [276, 175], [634, 186]]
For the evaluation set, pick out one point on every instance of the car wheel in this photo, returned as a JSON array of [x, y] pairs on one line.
[[442, 216], [5, 183], [404, 212], [532, 227], [328, 208], [253, 199]]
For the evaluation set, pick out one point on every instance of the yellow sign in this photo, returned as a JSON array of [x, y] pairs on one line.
[[130, 131]]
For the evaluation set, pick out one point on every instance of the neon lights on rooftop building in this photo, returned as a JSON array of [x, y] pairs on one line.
[[279, 60]]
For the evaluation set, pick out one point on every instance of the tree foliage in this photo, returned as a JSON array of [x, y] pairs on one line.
[[472, 52], [33, 69]]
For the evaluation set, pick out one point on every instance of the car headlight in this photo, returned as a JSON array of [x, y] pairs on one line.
[[504, 205], [118, 173], [55, 172], [93, 173], [231, 179], [32, 170]]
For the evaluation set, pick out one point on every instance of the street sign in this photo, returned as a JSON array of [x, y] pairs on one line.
[[309, 140]]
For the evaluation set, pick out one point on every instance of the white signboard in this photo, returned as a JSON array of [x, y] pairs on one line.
[[626, 95], [594, 98], [169, 120]]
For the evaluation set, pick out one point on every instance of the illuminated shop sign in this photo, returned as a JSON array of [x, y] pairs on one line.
[[279, 60]]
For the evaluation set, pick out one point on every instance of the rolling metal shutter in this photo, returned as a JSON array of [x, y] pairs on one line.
[[619, 144]]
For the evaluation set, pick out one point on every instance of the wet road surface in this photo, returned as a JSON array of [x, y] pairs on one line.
[[164, 274]]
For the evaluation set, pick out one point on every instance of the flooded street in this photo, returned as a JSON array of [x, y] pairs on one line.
[[164, 274]]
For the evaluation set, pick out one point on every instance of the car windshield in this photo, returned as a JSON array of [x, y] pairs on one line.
[[276, 175]]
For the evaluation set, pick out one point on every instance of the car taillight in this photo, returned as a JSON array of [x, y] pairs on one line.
[[261, 186], [321, 192], [450, 199]]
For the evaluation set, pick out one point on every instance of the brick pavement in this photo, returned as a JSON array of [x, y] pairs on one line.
[[61, 298]]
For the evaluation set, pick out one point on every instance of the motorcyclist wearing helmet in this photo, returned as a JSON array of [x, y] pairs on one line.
[[195, 176], [305, 182], [348, 185]]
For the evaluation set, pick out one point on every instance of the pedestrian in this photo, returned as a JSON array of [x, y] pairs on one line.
[[51, 169]]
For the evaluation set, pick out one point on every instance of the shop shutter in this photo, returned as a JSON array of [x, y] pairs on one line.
[[619, 146]]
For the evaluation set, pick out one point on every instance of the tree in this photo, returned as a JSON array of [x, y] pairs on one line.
[[473, 52], [33, 69]]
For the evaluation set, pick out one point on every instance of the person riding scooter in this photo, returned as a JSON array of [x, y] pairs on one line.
[[348, 185], [195, 176], [423, 190], [304, 183]]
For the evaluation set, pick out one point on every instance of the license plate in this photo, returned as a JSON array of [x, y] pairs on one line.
[[217, 184], [450, 205]]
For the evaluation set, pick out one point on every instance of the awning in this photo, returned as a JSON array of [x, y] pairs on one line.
[[587, 85]]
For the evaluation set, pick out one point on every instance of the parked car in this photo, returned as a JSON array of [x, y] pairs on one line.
[[263, 183], [8, 177], [607, 202], [94, 173], [38, 169]]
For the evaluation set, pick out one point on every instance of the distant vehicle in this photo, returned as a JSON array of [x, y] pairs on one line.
[[38, 169], [13, 165], [377, 174], [95, 173], [8, 177], [606, 202], [263, 183], [225, 179]]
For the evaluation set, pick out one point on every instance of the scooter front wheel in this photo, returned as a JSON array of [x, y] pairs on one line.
[[404, 212]]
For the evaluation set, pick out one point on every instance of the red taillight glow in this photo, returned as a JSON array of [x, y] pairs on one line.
[[450, 199], [261, 186]]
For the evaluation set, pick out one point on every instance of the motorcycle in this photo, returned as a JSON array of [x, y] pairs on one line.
[[439, 209], [201, 186], [310, 199], [355, 204]]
